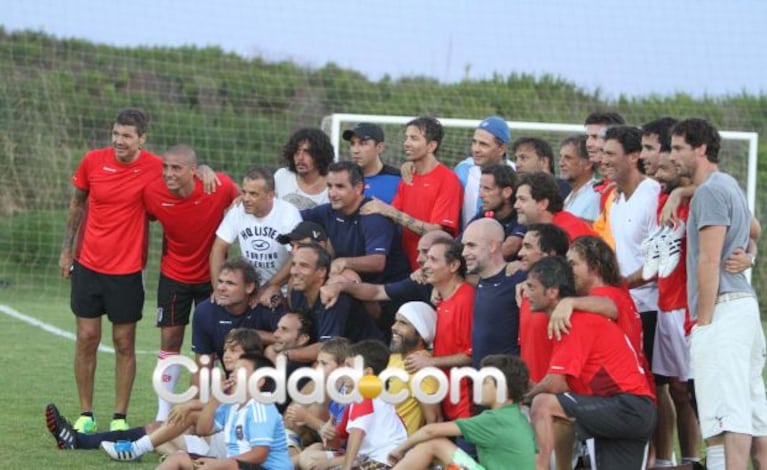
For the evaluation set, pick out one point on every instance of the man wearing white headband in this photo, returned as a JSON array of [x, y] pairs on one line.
[[412, 333]]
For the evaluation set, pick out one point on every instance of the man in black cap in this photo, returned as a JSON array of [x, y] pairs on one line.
[[366, 145], [307, 232]]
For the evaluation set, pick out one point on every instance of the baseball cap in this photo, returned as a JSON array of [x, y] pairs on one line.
[[496, 126], [304, 230], [364, 130]]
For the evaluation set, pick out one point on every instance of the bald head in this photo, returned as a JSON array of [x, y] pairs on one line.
[[427, 240], [488, 227], [482, 247]]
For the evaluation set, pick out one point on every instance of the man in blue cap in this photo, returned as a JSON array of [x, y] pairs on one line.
[[488, 147]]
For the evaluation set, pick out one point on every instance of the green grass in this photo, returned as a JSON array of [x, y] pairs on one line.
[[38, 370]]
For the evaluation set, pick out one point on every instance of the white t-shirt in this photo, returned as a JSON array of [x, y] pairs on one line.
[[257, 236], [383, 428], [584, 202], [631, 222], [286, 188]]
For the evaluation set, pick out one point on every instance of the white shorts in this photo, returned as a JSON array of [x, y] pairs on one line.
[[727, 361], [671, 349], [209, 446]]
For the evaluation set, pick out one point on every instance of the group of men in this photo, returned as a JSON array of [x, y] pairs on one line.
[[583, 277]]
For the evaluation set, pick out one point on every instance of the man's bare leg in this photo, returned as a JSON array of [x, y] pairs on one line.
[[124, 339], [86, 348]]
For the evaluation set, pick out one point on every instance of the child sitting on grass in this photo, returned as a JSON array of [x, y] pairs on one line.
[[502, 434], [305, 422], [146, 438], [253, 432], [371, 427]]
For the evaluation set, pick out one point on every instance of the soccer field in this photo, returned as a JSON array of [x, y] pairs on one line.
[[39, 350], [38, 370]]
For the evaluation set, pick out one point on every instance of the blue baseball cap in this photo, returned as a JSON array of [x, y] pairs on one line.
[[496, 126]]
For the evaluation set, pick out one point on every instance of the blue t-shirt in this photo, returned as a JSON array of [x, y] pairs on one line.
[[347, 318], [407, 290], [360, 235], [383, 185], [511, 227], [495, 325], [211, 323], [254, 425]]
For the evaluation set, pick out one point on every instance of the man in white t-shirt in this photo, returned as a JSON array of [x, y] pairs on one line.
[[255, 223], [303, 183], [633, 219]]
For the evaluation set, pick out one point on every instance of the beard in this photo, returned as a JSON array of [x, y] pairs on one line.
[[404, 346]]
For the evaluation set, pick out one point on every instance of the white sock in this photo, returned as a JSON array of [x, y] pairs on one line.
[[143, 445], [664, 463], [169, 379], [715, 457]]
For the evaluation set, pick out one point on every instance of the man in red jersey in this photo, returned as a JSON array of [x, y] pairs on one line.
[[434, 198], [535, 347], [540, 202], [108, 219], [595, 380], [189, 218], [445, 269]]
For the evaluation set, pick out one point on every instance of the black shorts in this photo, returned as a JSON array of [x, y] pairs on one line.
[[174, 300], [119, 296], [621, 426]]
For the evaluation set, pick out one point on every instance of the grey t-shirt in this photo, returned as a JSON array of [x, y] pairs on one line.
[[718, 201]]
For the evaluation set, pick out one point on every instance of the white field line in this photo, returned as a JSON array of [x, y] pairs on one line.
[[53, 329]]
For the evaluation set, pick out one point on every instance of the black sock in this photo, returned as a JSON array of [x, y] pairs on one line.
[[87, 413], [118, 416]]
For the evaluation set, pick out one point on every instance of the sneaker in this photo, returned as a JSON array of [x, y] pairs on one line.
[[671, 250], [85, 424], [651, 254], [118, 425], [121, 450], [61, 429]]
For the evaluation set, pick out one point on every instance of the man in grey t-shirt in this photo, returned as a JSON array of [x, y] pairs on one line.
[[727, 347]]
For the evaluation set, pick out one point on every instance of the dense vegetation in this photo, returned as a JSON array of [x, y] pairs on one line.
[[57, 98]]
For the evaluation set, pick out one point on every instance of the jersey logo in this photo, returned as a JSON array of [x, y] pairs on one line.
[[167, 204], [260, 245], [239, 433], [109, 169]]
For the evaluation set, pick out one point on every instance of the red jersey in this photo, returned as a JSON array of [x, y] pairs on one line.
[[453, 336], [534, 344], [435, 198], [672, 290], [572, 225], [189, 226], [113, 234], [598, 359]]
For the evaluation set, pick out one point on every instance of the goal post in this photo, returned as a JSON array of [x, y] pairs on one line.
[[334, 125]]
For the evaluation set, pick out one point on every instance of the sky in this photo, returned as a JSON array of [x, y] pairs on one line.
[[636, 48]]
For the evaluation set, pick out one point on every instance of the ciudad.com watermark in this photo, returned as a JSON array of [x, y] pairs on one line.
[[363, 386]]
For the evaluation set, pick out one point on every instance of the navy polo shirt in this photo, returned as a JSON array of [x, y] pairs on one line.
[[495, 325], [407, 290], [361, 235], [211, 323], [383, 185], [346, 318], [511, 227]]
